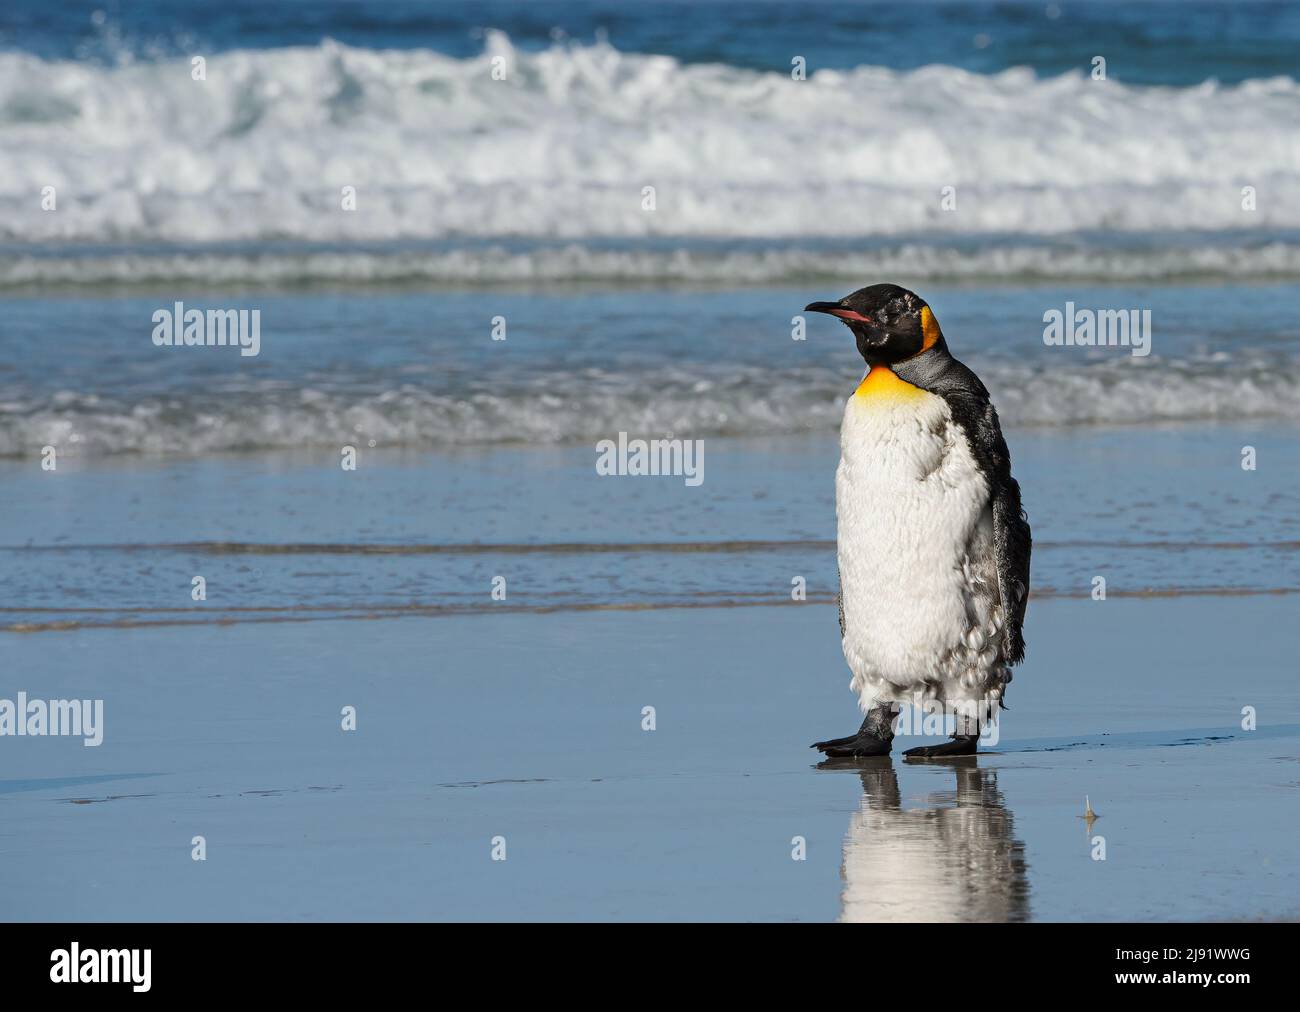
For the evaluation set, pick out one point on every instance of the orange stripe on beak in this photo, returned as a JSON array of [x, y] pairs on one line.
[[835, 309], [849, 314]]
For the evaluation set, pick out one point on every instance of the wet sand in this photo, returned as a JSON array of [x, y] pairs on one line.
[[529, 728]]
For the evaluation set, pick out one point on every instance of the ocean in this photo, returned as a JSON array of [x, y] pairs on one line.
[[481, 238], [528, 192]]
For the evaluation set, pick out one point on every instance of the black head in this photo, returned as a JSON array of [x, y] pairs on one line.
[[890, 323]]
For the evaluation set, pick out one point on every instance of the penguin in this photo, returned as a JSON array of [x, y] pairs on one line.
[[933, 545]]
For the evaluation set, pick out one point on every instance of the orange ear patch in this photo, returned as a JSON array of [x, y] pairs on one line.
[[930, 332]]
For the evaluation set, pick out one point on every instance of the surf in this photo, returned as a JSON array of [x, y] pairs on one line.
[[563, 145]]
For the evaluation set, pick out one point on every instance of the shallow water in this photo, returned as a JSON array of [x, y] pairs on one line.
[[529, 728], [293, 537]]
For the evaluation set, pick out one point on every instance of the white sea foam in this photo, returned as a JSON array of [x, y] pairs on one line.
[[563, 147], [589, 404], [1248, 260]]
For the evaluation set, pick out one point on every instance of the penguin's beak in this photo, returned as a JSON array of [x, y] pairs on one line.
[[835, 309]]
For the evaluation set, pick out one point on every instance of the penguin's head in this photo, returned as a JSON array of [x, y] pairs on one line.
[[890, 323]]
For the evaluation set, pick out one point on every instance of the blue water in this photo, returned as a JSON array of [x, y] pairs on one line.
[[419, 370], [1176, 43], [1171, 187], [509, 143]]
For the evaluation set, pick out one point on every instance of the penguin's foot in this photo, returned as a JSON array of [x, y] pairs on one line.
[[959, 744], [856, 746], [874, 737]]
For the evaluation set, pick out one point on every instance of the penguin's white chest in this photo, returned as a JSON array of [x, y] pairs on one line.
[[918, 577]]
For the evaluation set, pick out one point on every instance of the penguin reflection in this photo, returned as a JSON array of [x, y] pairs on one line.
[[957, 859]]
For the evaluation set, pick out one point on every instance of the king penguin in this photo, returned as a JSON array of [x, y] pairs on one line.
[[933, 545]]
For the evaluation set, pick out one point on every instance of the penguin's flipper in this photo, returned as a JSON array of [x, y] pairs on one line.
[[975, 415], [1013, 543]]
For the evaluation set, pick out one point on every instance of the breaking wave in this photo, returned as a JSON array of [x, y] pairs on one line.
[[559, 407], [565, 146]]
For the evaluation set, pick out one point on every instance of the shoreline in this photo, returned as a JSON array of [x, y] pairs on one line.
[[228, 616]]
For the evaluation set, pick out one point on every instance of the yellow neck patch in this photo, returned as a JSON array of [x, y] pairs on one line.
[[882, 384], [930, 332]]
